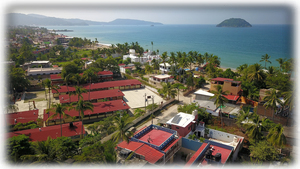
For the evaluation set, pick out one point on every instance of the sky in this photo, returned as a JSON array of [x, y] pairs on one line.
[[167, 13]]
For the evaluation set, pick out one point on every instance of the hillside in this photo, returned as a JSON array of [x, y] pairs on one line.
[[234, 22], [40, 20]]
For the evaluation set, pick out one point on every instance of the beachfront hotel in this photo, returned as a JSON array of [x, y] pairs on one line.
[[146, 57]]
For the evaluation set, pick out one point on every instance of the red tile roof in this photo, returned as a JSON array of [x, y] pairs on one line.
[[55, 76], [231, 97], [58, 76], [132, 145], [195, 156], [221, 79], [224, 154], [157, 136], [151, 155], [130, 82], [22, 117], [100, 107], [93, 95], [52, 131], [169, 145]]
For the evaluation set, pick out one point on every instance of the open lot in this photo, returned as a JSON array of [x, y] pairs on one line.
[[136, 98]]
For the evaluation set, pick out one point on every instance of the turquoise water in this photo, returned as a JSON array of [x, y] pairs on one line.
[[235, 46]]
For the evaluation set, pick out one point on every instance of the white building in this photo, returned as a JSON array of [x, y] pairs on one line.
[[202, 98], [43, 71], [161, 78], [146, 57], [164, 69]]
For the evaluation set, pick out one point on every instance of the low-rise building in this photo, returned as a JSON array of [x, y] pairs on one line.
[[43, 71], [154, 144], [233, 88], [147, 56], [102, 76], [120, 84], [72, 130], [161, 78], [22, 117], [183, 123], [42, 63], [165, 68], [101, 109], [95, 96], [203, 99]]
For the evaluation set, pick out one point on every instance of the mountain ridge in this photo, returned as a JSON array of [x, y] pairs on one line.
[[41, 20]]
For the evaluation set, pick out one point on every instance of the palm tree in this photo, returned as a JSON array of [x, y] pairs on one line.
[[256, 73], [265, 58], [164, 58], [168, 90], [191, 58], [272, 99], [241, 68], [244, 114], [152, 45], [199, 59], [219, 98], [206, 57], [58, 109], [77, 78], [122, 124], [289, 98], [45, 86], [50, 88], [67, 79], [78, 92], [276, 136], [90, 74], [82, 106], [44, 152], [280, 61], [148, 69], [173, 59], [178, 86], [254, 128]]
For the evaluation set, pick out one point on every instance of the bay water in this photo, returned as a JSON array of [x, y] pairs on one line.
[[235, 46]]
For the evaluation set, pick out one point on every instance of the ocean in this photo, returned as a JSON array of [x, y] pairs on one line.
[[235, 46]]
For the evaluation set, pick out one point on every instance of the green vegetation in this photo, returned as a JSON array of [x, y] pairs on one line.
[[24, 126]]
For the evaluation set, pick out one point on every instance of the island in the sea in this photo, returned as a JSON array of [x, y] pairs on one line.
[[234, 22]]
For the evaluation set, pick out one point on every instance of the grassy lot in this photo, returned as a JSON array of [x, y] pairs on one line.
[[35, 96]]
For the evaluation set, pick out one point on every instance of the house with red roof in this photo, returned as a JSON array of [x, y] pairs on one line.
[[101, 109], [72, 130], [102, 76], [233, 88], [22, 117], [154, 144], [183, 123], [95, 96], [109, 85]]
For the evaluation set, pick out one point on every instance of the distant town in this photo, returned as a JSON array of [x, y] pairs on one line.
[[74, 101]]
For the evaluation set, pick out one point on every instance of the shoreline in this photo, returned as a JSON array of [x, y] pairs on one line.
[[108, 45]]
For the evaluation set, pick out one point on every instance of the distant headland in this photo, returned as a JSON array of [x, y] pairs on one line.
[[234, 22]]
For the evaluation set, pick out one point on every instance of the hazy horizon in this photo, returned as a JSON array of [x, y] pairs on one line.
[[172, 14]]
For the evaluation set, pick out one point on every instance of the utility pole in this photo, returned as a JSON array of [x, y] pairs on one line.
[[145, 101]]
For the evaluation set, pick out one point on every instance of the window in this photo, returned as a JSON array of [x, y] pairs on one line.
[[177, 127]]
